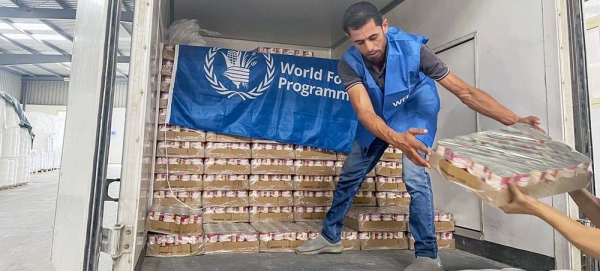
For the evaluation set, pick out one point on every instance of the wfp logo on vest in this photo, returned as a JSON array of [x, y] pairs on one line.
[[399, 102], [240, 73]]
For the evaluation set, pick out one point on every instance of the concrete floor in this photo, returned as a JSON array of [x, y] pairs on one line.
[[26, 223]]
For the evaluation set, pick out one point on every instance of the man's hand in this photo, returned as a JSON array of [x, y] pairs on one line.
[[533, 121], [410, 146], [520, 203]]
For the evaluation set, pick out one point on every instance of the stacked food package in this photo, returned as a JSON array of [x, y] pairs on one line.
[[486, 162], [47, 145], [444, 229], [379, 227], [254, 195], [282, 51], [15, 144]]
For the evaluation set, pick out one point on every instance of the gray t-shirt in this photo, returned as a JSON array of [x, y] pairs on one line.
[[431, 65]]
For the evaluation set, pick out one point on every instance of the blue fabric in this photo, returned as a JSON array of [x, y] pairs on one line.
[[410, 99], [352, 176], [285, 98]]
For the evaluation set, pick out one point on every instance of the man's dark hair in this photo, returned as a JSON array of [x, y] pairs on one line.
[[359, 14]]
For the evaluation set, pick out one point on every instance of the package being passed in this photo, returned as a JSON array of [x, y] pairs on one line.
[[167, 245], [391, 219], [486, 162], [174, 220], [228, 237]]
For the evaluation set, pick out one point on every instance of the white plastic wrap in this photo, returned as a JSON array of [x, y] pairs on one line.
[[47, 146], [10, 142], [11, 117], [2, 113], [188, 32]]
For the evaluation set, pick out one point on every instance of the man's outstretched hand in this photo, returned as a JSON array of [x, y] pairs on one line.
[[410, 146], [533, 121]]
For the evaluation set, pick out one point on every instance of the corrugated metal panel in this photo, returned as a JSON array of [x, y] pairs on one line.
[[55, 93], [10, 84]]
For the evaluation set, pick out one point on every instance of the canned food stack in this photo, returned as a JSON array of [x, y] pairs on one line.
[[282, 51], [487, 161], [444, 228], [379, 223], [382, 240], [349, 236], [229, 237], [278, 236], [173, 245], [314, 182]]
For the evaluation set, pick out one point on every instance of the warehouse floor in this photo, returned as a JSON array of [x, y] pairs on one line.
[[26, 223]]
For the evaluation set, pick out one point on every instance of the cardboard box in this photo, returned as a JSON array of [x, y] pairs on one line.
[[227, 169], [240, 217], [387, 156], [172, 228], [267, 217], [178, 184], [225, 202], [351, 244], [176, 168], [380, 244], [368, 187], [314, 186], [163, 103], [196, 136], [312, 201], [231, 247], [364, 201], [388, 172], [179, 152], [443, 244], [499, 198], [279, 246], [393, 202], [226, 185], [274, 154], [272, 201], [314, 155], [308, 216], [354, 219], [176, 250], [390, 187], [192, 202], [228, 153], [273, 169], [444, 226], [271, 185], [315, 170], [214, 137]]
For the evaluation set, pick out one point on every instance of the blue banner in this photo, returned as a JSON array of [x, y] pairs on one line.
[[285, 98]]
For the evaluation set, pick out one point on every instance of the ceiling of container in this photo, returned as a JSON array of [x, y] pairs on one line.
[[316, 23]]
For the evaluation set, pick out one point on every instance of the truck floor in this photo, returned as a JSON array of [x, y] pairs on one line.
[[381, 260]]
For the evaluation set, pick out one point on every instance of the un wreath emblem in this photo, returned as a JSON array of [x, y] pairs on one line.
[[240, 66]]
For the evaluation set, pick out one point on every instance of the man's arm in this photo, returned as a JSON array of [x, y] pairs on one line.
[[582, 237], [589, 205], [407, 142], [478, 100]]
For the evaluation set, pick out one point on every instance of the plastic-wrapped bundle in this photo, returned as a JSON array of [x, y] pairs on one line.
[[188, 32], [10, 142]]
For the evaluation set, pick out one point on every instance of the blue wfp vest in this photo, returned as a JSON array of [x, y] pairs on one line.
[[410, 99]]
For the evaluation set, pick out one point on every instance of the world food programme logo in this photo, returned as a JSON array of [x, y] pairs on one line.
[[239, 68]]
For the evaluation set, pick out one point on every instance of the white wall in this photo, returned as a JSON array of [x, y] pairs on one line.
[[251, 45], [55, 93], [10, 84], [512, 52]]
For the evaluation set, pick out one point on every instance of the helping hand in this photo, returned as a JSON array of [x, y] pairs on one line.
[[520, 203], [533, 121], [410, 146]]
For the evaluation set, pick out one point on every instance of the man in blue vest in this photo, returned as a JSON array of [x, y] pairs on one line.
[[390, 78]]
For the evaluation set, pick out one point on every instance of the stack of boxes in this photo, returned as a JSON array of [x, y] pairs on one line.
[[217, 193]]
